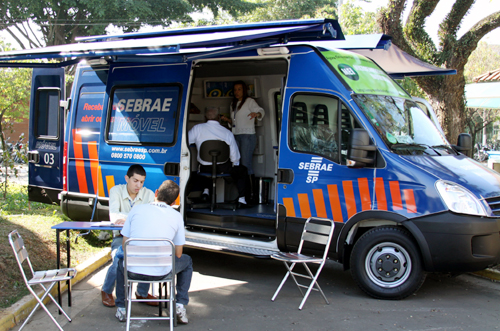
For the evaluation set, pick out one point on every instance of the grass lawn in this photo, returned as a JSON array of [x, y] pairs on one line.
[[34, 222]]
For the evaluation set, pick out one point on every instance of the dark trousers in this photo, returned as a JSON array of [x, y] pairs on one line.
[[238, 174]]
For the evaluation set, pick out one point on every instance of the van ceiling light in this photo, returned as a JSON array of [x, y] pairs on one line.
[[273, 51]]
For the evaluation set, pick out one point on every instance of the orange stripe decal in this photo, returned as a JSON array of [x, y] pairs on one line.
[[94, 162], [319, 201], [79, 163], [290, 209], [110, 182], [411, 207], [101, 183], [350, 201], [397, 204], [333, 195], [364, 193], [380, 194], [305, 209]]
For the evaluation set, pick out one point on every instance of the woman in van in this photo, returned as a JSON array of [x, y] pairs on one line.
[[244, 111]]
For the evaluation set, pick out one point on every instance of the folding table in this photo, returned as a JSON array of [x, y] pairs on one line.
[[84, 226]]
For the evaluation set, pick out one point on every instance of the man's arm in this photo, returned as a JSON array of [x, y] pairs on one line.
[[115, 214], [234, 152], [178, 250], [123, 242]]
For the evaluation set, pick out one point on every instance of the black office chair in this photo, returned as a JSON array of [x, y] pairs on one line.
[[215, 151], [320, 115]]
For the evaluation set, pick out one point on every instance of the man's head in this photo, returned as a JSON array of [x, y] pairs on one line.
[[167, 192], [135, 177], [212, 114]]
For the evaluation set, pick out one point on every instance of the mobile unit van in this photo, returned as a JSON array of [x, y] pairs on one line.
[[340, 140]]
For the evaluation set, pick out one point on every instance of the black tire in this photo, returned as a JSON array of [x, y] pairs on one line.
[[386, 263]]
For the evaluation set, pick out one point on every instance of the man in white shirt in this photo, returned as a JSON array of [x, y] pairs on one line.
[[157, 220], [212, 130], [121, 200]]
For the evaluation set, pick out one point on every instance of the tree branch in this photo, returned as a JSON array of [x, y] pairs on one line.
[[448, 28], [469, 41], [33, 33], [389, 20], [414, 29], [16, 38]]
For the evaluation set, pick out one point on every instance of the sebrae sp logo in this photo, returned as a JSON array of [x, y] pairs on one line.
[[348, 71]]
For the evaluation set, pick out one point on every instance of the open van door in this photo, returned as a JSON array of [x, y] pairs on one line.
[[46, 139]]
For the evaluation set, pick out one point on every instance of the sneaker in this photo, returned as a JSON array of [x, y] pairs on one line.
[[181, 314], [121, 314]]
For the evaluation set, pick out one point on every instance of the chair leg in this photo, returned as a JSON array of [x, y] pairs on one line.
[[314, 282], [55, 301], [289, 272], [294, 278], [172, 304], [160, 285], [40, 303], [129, 303]]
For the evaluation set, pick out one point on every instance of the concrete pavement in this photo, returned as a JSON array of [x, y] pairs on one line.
[[233, 293]]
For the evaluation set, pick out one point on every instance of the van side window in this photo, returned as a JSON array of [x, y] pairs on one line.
[[47, 113], [146, 114], [347, 123], [313, 126], [88, 113]]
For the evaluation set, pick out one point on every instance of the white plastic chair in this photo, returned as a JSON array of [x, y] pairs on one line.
[[317, 233], [160, 253], [50, 277]]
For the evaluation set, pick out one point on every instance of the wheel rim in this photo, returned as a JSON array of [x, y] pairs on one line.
[[388, 265]]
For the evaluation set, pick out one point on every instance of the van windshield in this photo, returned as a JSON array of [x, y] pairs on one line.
[[404, 127]]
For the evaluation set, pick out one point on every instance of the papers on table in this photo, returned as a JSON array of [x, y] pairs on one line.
[[106, 223]]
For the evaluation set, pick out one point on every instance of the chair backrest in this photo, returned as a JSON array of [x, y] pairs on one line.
[[20, 252], [320, 115], [320, 232], [299, 113], [155, 252], [214, 145]]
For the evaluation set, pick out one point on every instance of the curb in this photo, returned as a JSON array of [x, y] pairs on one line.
[[491, 274], [16, 313]]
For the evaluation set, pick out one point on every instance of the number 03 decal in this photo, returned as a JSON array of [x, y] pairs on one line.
[[48, 158]]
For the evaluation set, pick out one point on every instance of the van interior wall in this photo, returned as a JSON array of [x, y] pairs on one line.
[[265, 153]]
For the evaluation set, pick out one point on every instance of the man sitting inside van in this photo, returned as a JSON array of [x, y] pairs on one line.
[[121, 200], [212, 130], [157, 220]]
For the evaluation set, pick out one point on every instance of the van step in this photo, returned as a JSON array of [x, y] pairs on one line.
[[211, 245]]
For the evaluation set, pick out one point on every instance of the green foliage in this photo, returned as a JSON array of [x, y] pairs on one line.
[[354, 20], [34, 225], [485, 58], [14, 107], [61, 22], [17, 202], [412, 87], [272, 10]]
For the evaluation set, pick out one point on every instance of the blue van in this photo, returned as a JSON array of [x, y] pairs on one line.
[[340, 140]]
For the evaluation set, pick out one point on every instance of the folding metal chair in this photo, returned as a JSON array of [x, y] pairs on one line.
[[316, 233], [50, 277], [158, 253]]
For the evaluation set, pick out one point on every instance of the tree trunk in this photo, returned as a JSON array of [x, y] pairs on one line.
[[447, 97]]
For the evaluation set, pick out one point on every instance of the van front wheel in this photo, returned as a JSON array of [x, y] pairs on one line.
[[386, 264]]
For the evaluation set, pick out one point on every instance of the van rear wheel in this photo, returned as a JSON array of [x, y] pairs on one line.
[[386, 263]]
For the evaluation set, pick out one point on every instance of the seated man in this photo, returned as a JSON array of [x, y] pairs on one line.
[[212, 130], [121, 199], [158, 220]]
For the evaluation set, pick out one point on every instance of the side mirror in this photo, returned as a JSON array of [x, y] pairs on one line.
[[359, 152], [464, 144]]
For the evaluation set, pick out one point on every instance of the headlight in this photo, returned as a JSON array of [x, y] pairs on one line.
[[459, 200]]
